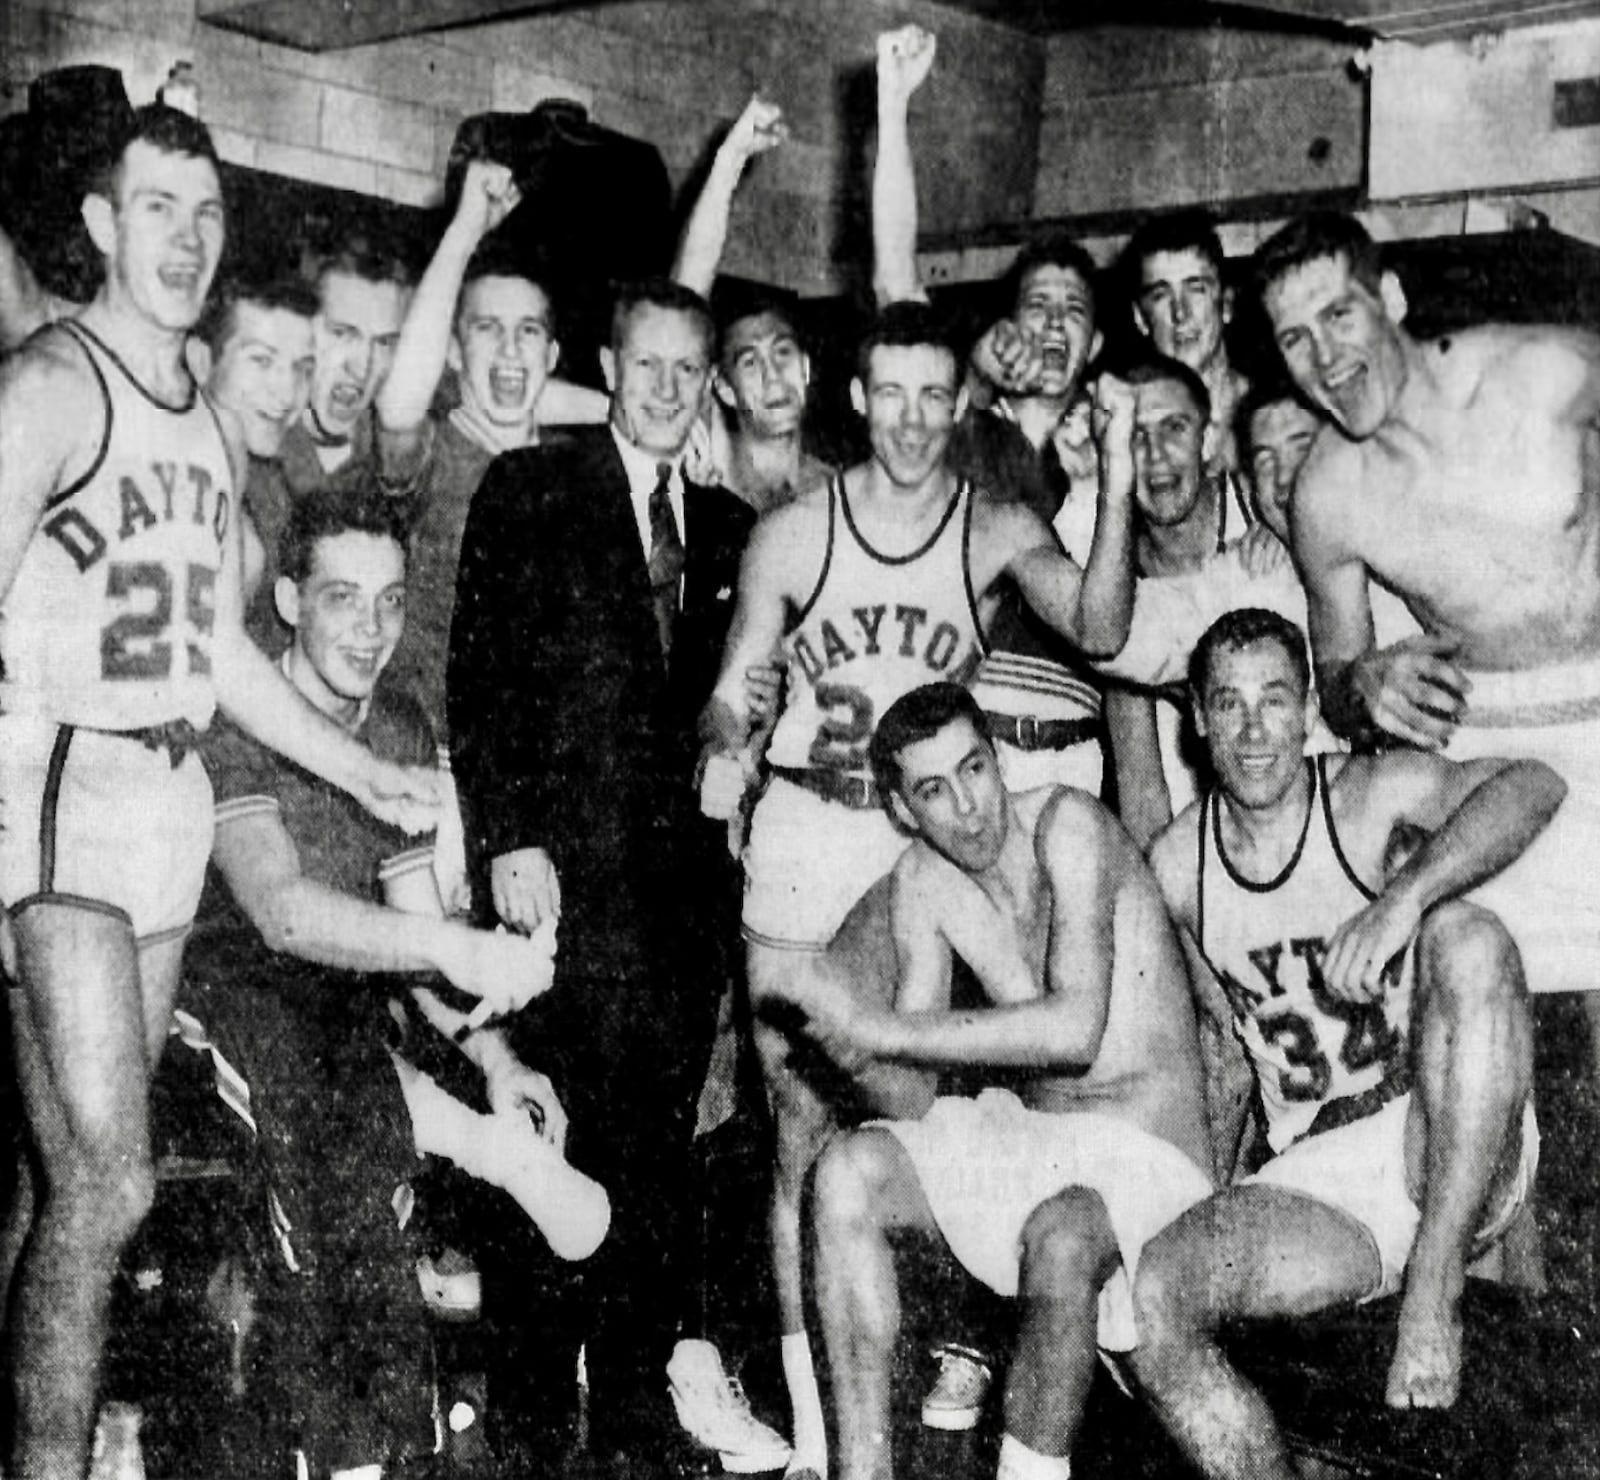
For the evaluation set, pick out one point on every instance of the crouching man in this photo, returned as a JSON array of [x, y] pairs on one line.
[[1387, 1022], [1046, 1193], [313, 915]]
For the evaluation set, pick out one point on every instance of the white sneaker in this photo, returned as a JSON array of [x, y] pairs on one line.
[[714, 1411], [955, 1400]]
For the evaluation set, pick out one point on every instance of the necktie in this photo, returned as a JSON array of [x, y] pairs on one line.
[[666, 556]]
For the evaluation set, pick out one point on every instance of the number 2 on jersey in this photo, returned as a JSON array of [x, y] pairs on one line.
[[137, 645]]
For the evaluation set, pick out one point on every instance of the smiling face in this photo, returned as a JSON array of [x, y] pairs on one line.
[[503, 348], [1341, 341], [263, 372], [1281, 434], [911, 403], [763, 374], [1253, 714], [1169, 436], [357, 329], [1055, 306], [162, 236], [1183, 306], [348, 614], [951, 796], [657, 374]]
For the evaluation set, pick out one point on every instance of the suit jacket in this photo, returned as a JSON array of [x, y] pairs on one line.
[[568, 729]]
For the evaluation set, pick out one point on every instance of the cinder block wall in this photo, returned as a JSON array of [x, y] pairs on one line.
[[379, 119]]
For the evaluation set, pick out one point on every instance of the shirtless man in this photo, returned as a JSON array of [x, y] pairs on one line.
[[763, 373], [1464, 475], [1387, 1022], [1048, 1196], [881, 580], [120, 631]]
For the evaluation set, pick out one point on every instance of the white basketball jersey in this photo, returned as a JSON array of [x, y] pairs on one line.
[[108, 623], [876, 627], [1267, 942]]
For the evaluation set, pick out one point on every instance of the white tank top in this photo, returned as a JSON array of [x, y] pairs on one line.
[[108, 623], [1266, 943], [876, 627]]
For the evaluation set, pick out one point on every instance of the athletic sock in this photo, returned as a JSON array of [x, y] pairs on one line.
[[1018, 1462], [571, 1210], [805, 1402]]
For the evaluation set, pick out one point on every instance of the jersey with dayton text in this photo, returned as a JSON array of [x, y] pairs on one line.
[[1266, 943], [876, 627], [108, 623]]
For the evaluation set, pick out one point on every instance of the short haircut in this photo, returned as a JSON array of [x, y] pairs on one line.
[[917, 716], [497, 258], [359, 506], [1241, 628], [660, 292], [907, 325], [162, 127], [1310, 238], [221, 316], [1189, 230], [360, 256], [1151, 367], [753, 303], [1257, 398], [1052, 251]]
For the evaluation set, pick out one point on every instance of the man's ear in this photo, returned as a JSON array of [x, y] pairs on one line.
[[723, 391], [1209, 439], [805, 369], [197, 355], [452, 354], [902, 814], [286, 597], [100, 217], [552, 356], [608, 367], [961, 401], [1394, 297], [1313, 707], [858, 396], [1096, 344], [1141, 321], [1197, 711]]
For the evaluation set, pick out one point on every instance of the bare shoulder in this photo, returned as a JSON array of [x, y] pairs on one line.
[[789, 542], [1073, 829], [1522, 365], [51, 407], [1174, 860]]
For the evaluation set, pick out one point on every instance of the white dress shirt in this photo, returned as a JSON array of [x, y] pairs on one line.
[[641, 468]]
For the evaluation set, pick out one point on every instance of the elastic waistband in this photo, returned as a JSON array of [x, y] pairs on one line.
[[1561, 694]]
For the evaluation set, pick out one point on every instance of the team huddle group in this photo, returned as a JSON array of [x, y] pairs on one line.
[[402, 748]]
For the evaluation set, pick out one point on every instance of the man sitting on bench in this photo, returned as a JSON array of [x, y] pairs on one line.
[[1387, 1022]]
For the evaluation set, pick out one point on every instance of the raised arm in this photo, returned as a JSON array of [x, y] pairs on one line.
[[1092, 606], [488, 195], [905, 57], [759, 128]]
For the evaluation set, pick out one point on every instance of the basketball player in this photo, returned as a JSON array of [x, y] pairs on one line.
[[1461, 474], [1387, 1022], [120, 631], [1046, 1190], [880, 581]]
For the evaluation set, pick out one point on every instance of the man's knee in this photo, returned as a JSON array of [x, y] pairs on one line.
[[1466, 957], [1067, 1244], [105, 1189], [853, 1178], [1170, 1287]]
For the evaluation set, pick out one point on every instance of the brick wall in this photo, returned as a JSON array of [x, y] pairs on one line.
[[379, 119]]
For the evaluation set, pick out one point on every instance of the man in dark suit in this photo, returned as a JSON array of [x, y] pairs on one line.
[[594, 594]]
